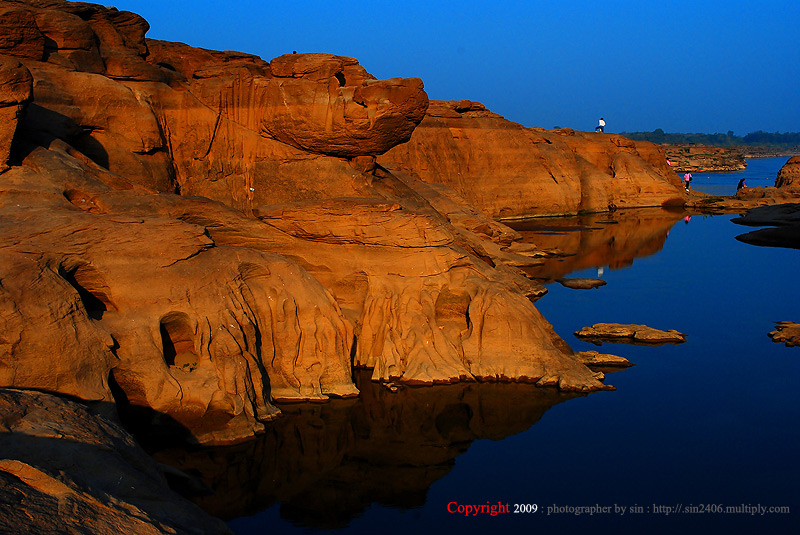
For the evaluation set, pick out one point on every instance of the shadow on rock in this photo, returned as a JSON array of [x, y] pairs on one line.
[[784, 220]]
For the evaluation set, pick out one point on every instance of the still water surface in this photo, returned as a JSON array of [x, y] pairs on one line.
[[760, 172], [712, 422]]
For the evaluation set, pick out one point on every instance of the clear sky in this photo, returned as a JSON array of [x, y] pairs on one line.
[[682, 66]]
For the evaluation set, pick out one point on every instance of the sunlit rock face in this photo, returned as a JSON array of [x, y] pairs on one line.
[[789, 175], [177, 324], [195, 233], [508, 170]]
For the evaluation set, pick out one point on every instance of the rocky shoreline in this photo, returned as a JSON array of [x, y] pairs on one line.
[[694, 158], [190, 237]]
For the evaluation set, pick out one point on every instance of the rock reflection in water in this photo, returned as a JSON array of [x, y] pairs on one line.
[[325, 464], [593, 240]]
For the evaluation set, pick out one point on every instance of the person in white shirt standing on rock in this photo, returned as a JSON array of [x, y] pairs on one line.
[[601, 125]]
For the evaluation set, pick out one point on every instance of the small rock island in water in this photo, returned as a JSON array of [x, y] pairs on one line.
[[191, 237]]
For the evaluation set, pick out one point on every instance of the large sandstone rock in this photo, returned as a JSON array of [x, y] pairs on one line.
[[357, 115], [204, 333], [508, 170], [185, 309], [64, 469], [789, 175]]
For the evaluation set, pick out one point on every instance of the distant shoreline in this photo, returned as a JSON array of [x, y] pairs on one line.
[[693, 157]]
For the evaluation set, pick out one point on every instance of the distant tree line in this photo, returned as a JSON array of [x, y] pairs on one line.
[[788, 139]]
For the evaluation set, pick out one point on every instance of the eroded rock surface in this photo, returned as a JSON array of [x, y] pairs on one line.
[[194, 234], [507, 170], [789, 174], [202, 332]]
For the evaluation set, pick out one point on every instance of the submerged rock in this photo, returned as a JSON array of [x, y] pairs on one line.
[[582, 283], [787, 332], [635, 333], [594, 359], [789, 174]]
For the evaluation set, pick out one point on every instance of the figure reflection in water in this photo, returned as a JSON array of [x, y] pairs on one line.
[[600, 272], [687, 219]]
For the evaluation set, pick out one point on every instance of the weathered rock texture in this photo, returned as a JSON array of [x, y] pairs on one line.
[[635, 333], [508, 170], [789, 175], [195, 234], [582, 283], [64, 469]]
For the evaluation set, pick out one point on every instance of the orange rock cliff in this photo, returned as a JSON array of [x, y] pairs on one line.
[[198, 234]]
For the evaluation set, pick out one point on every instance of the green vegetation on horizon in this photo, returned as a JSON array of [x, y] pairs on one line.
[[759, 138]]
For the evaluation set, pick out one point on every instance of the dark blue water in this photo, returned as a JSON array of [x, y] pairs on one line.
[[760, 172], [705, 425]]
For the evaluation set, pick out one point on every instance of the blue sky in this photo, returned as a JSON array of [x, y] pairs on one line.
[[681, 66]]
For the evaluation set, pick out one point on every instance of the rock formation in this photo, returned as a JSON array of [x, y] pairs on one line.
[[789, 175], [507, 170], [600, 332], [64, 469], [582, 283], [787, 332], [301, 259]]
